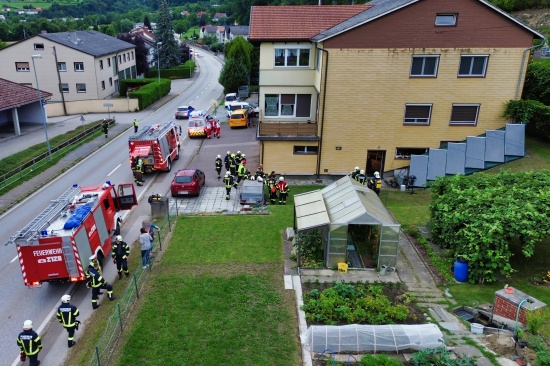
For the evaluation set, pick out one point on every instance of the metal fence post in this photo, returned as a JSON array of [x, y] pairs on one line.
[[135, 284], [97, 355], [160, 241], [119, 316], [169, 226]]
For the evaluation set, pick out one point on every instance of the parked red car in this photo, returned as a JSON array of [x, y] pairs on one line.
[[187, 182]]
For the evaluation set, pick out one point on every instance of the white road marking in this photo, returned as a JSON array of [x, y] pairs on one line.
[[112, 171], [14, 259]]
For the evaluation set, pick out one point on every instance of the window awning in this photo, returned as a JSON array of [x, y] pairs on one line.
[[140, 151]]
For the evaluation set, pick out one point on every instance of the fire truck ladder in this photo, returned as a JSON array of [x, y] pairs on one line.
[[149, 132], [70, 259], [55, 207]]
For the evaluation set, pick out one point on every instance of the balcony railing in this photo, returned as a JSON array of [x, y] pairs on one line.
[[287, 129]]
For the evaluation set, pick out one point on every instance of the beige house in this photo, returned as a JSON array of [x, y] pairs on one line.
[[369, 85], [72, 66]]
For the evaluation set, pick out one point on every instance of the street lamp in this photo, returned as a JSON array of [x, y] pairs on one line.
[[41, 106], [158, 59]]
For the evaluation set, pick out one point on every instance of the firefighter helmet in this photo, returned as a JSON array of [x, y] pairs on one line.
[[93, 257], [219, 156], [252, 178], [65, 298], [228, 152], [281, 179], [27, 324], [356, 168], [376, 175], [119, 238], [227, 174], [232, 155], [260, 179], [238, 153], [362, 171]]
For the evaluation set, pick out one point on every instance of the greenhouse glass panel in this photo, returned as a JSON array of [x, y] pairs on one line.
[[390, 233], [337, 245]]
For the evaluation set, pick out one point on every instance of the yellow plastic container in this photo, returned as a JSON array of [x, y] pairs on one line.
[[343, 267]]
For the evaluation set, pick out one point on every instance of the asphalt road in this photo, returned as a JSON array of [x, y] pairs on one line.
[[108, 163]]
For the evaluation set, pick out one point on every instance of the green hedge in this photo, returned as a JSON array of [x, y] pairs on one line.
[[147, 91], [184, 71]]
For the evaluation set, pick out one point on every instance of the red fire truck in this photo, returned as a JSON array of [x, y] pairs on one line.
[[56, 245], [157, 145]]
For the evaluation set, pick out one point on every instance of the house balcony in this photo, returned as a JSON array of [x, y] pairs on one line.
[[287, 131]]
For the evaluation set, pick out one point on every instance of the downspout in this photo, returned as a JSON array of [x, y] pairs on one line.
[[318, 168], [523, 65], [59, 82]]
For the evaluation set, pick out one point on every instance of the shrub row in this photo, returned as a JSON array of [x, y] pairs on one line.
[[146, 91], [184, 71]]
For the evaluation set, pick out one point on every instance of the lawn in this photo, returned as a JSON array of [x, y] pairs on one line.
[[189, 33]]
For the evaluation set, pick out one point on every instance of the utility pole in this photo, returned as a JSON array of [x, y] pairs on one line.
[[59, 82]]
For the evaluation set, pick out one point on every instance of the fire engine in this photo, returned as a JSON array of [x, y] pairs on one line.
[[56, 245], [157, 145]]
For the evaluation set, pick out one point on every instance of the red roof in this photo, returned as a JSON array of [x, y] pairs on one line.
[[14, 95], [298, 22]]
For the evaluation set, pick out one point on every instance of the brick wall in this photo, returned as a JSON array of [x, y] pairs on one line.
[[507, 309]]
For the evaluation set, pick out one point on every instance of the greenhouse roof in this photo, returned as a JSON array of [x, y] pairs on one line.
[[343, 202]]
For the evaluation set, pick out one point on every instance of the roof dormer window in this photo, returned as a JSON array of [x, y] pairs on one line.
[[445, 20], [39, 46]]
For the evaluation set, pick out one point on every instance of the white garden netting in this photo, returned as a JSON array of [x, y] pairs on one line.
[[357, 338]]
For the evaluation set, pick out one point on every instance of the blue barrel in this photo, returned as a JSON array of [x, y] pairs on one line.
[[461, 270]]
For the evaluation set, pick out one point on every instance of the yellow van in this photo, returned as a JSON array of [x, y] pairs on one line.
[[239, 118]]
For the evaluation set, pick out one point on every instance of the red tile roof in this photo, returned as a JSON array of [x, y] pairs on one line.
[[298, 22], [14, 95]]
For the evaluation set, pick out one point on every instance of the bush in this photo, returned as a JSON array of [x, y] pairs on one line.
[[378, 360], [146, 91], [184, 71]]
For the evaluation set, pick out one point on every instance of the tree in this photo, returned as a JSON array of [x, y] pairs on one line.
[[141, 52], [169, 55], [233, 74], [184, 52], [147, 22], [125, 25], [240, 49]]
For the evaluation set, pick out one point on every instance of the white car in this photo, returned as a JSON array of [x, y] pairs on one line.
[[230, 98], [233, 106]]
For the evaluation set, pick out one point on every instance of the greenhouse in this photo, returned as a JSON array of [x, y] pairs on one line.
[[346, 222], [357, 338]]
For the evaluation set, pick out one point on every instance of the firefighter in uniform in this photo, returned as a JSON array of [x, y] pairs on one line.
[[354, 173], [228, 181], [97, 282], [120, 254], [226, 160], [105, 126], [219, 165], [138, 171], [135, 125], [29, 343], [238, 158], [271, 184], [362, 178], [377, 183], [233, 166], [283, 189], [66, 314], [241, 173], [260, 172]]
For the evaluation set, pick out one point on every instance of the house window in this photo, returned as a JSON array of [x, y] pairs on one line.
[[22, 66], [445, 20], [102, 84], [62, 67], [406, 152], [101, 64], [124, 58], [39, 46], [305, 150], [132, 55], [64, 88], [464, 114], [291, 57], [424, 66], [119, 59], [417, 114], [110, 81], [288, 105], [319, 58], [108, 62], [81, 88], [473, 65], [79, 66]]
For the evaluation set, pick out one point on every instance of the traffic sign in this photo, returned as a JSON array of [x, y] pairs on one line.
[[107, 105]]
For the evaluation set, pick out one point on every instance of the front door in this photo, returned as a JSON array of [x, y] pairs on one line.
[[375, 162]]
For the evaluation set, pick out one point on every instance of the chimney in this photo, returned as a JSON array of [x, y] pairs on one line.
[[43, 31]]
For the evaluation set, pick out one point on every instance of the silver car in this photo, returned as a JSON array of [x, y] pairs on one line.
[[183, 111]]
